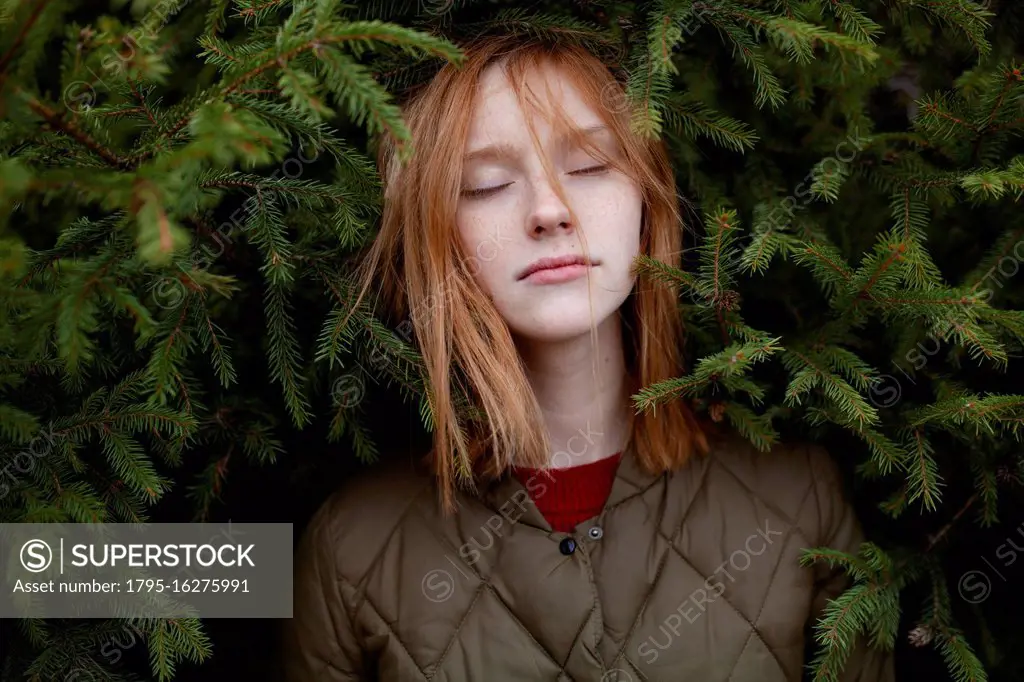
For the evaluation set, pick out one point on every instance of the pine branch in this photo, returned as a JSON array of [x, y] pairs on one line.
[[33, 17], [853, 21], [695, 119], [69, 127], [359, 34], [924, 481], [725, 367]]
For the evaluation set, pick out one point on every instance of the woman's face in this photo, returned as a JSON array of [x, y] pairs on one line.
[[509, 216]]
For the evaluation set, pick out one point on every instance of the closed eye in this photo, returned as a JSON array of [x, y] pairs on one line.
[[487, 191], [593, 170]]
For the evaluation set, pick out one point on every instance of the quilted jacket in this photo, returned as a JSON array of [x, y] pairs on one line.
[[690, 576]]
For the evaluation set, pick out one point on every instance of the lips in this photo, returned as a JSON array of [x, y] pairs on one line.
[[552, 263]]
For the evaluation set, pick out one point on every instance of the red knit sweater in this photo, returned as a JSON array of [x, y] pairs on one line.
[[573, 494]]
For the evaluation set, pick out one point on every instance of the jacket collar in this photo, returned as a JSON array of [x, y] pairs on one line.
[[502, 496]]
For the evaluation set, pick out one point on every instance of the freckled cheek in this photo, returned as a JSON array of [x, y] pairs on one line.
[[629, 211], [472, 226], [478, 236], [616, 215]]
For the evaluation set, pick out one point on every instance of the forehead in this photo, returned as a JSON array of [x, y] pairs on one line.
[[498, 115]]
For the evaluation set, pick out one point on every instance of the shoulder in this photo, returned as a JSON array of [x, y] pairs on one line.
[[356, 522], [798, 481]]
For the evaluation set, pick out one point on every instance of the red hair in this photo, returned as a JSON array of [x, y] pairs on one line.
[[420, 271]]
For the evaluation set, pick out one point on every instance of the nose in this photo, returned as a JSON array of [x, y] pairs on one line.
[[548, 213]]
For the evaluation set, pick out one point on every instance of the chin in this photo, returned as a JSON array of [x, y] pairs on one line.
[[558, 326]]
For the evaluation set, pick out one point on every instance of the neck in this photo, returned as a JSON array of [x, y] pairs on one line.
[[583, 391]]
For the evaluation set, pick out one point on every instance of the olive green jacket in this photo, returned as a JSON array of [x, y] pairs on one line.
[[691, 576]]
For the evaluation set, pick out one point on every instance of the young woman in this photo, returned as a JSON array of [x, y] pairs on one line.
[[555, 535]]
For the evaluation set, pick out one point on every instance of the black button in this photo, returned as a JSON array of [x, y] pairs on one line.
[[567, 546]]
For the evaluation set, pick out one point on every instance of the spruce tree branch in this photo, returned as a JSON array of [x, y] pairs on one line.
[[717, 262], [929, 183], [254, 11], [648, 84], [832, 633], [973, 338], [212, 47], [142, 101], [994, 408], [891, 300], [57, 121], [945, 529], [144, 190], [906, 215], [1005, 124], [183, 386], [1007, 84], [666, 51], [982, 129], [721, 325], [231, 183], [933, 108], [120, 112], [136, 411], [281, 60], [26, 27], [296, 190], [896, 255], [824, 259]]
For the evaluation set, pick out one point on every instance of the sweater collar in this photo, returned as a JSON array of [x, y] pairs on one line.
[[630, 480]]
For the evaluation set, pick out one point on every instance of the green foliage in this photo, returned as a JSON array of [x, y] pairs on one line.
[[173, 169]]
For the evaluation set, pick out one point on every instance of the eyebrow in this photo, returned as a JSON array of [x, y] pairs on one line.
[[503, 149]]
